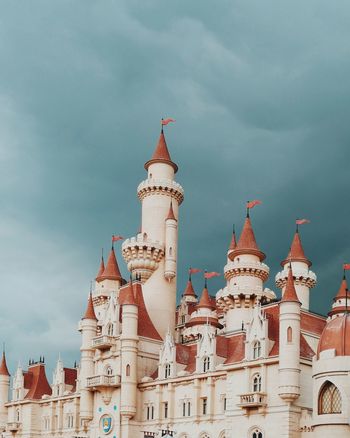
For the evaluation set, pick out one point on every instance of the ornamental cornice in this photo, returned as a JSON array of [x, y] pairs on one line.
[[303, 277], [245, 268], [160, 186]]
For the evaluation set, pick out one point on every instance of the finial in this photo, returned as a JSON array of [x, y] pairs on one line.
[[162, 126], [189, 274], [205, 280], [233, 229], [297, 225], [75, 364], [248, 208], [43, 359]]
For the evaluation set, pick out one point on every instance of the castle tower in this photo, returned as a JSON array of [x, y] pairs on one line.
[[341, 300], [289, 342], [152, 254], [245, 274], [88, 328], [129, 342], [304, 278], [4, 390]]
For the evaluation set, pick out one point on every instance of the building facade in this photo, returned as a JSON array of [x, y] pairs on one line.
[[240, 364]]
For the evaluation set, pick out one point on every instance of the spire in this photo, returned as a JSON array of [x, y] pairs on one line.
[[233, 243], [101, 269], [296, 253], [3, 366], [171, 214], [161, 154], [342, 293], [189, 291], [247, 242], [111, 271], [126, 295], [205, 300], [90, 311], [290, 292]]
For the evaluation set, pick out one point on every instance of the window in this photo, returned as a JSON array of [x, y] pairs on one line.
[[189, 409], [206, 364], [225, 404], [170, 251], [184, 409], [289, 334], [204, 405], [17, 416], [183, 319], [110, 329], [70, 421], [257, 433], [167, 370], [127, 371], [329, 400], [166, 409], [152, 412], [257, 383], [109, 371], [256, 350]]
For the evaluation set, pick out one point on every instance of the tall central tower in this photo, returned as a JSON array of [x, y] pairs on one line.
[[152, 254]]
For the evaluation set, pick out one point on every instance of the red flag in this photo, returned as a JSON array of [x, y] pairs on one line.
[[346, 266], [116, 238], [167, 121], [211, 274], [251, 204], [194, 270], [302, 221]]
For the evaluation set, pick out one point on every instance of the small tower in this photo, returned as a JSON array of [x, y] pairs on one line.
[[4, 390], [128, 350], [304, 278], [289, 343], [88, 328], [341, 302], [170, 244]]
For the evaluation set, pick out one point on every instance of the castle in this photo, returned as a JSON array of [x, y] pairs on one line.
[[240, 364]]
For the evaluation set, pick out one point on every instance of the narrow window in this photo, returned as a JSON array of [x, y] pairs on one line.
[[183, 409], [189, 409], [148, 412], [225, 404], [204, 405], [165, 409], [167, 370], [127, 371], [152, 412], [289, 334], [256, 350], [170, 251], [257, 383], [206, 364], [257, 434]]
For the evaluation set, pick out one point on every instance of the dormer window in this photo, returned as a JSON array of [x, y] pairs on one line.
[[167, 370], [206, 364], [256, 350]]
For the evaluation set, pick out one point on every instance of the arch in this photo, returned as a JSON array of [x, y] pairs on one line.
[[127, 370], [108, 370], [255, 432], [222, 434], [256, 349], [256, 383], [329, 399], [289, 335], [204, 435]]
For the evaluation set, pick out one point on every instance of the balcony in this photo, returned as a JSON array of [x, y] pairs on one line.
[[99, 382], [252, 400], [13, 426], [103, 342]]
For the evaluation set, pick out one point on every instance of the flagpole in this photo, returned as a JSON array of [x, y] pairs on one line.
[[247, 208]]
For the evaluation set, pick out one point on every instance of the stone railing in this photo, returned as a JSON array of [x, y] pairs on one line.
[[302, 276], [13, 426], [252, 400], [103, 381], [161, 185], [103, 342], [238, 267]]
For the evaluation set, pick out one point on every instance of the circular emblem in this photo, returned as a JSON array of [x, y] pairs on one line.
[[106, 424]]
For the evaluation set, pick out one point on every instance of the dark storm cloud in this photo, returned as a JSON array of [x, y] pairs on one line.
[[260, 92]]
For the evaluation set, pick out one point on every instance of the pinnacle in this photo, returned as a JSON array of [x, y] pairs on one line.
[[90, 311], [111, 271], [290, 292], [161, 154], [296, 253]]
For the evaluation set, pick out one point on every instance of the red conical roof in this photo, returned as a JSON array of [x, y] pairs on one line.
[[3, 366], [171, 214], [90, 311], [100, 271], [205, 300], [111, 271], [189, 291], [247, 242], [161, 154], [126, 295], [233, 243], [342, 293], [290, 292], [296, 253]]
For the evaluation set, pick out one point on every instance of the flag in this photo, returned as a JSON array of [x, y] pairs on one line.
[[116, 238], [194, 270], [251, 204], [346, 266], [302, 221], [211, 274], [166, 121]]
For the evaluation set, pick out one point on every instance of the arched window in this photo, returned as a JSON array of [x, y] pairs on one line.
[[329, 400], [257, 433], [127, 371], [206, 364], [167, 370], [289, 334], [109, 371], [257, 383], [256, 350], [110, 329]]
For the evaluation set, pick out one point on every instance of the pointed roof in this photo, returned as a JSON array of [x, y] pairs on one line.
[[90, 311], [233, 243], [171, 214], [343, 290], [290, 294], [126, 295], [3, 366], [111, 271], [296, 253], [36, 381], [161, 154], [189, 291], [247, 242], [205, 300], [100, 271], [145, 326]]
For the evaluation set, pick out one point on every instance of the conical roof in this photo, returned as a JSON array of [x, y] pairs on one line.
[[3, 366], [342, 292], [296, 253], [290, 293], [101, 270], [171, 214], [90, 311], [161, 154], [233, 243], [111, 271], [247, 242], [205, 300], [126, 295], [189, 291]]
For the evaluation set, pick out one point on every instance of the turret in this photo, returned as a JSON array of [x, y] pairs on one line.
[[4, 390], [88, 329], [304, 278], [129, 342], [341, 300], [152, 254], [289, 342]]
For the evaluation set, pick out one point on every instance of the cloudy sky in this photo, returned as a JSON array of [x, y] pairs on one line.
[[261, 96]]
